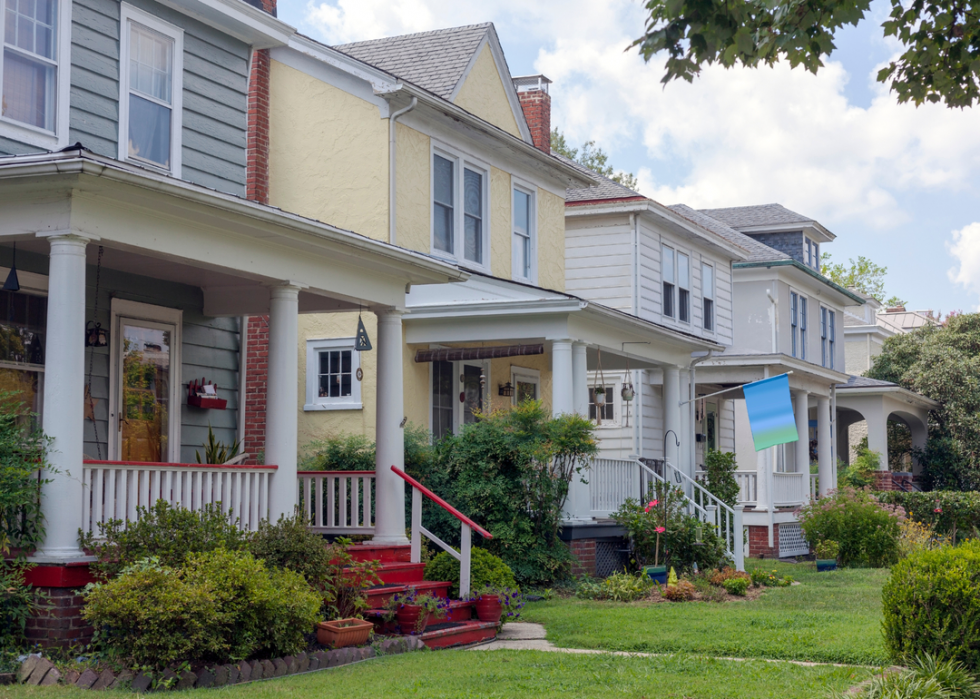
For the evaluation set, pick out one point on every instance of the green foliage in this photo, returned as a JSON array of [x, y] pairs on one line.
[[939, 60], [866, 530], [216, 452], [510, 471], [925, 678], [950, 514], [930, 605], [618, 587], [167, 533], [860, 474], [863, 275], [18, 601], [355, 452], [720, 470], [762, 577], [592, 157], [486, 569], [827, 550], [736, 586], [220, 606]]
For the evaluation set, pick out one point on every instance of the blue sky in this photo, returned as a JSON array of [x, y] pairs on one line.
[[894, 183]]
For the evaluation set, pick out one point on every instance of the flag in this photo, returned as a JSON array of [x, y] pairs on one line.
[[770, 411]]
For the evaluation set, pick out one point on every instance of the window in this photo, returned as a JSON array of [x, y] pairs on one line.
[[811, 254], [683, 288], [34, 79], [794, 303], [442, 399], [150, 68], [459, 209], [828, 336], [526, 383], [832, 339], [668, 281], [23, 322], [708, 296], [802, 327], [522, 246], [606, 412], [331, 375]]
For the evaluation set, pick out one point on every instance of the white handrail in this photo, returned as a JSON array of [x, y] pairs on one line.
[[748, 487], [337, 502]]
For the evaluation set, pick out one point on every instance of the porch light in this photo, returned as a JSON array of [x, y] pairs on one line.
[[506, 389], [95, 335]]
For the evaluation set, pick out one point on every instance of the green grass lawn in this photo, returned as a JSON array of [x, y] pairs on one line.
[[535, 674], [830, 617]]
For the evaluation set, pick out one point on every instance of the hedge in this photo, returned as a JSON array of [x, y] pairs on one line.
[[950, 513]]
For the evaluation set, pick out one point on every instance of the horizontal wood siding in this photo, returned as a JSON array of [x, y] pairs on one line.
[[726, 427], [653, 422], [651, 288], [94, 119], [599, 262]]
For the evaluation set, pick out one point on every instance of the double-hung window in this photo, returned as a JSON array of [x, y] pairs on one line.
[[34, 75], [150, 99], [522, 245], [828, 335], [802, 327], [459, 209], [332, 375], [794, 323], [708, 296], [683, 288], [811, 253], [667, 262], [606, 411], [831, 337]]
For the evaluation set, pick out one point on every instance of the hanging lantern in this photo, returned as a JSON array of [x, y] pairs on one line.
[[96, 335], [362, 343], [505, 389]]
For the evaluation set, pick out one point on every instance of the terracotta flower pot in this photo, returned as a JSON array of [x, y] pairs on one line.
[[408, 619], [343, 632], [489, 608]]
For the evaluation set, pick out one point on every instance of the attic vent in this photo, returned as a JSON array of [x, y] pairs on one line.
[[527, 83]]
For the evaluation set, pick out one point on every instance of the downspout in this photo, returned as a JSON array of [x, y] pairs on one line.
[[392, 153]]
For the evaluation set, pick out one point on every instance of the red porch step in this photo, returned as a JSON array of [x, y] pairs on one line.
[[377, 596], [451, 635], [383, 553], [402, 573]]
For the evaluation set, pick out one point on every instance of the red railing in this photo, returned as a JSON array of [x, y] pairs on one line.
[[168, 464], [442, 503]]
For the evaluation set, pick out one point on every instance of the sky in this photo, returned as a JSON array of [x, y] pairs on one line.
[[895, 183]]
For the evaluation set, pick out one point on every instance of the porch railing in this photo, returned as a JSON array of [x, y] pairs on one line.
[[611, 482], [748, 487], [337, 502], [813, 486], [789, 489], [114, 489], [467, 526]]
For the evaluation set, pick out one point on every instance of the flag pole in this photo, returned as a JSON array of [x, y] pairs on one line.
[[728, 390]]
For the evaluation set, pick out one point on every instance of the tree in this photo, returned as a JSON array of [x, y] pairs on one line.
[[941, 40], [863, 275], [593, 158]]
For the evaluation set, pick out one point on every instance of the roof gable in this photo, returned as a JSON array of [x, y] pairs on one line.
[[483, 91]]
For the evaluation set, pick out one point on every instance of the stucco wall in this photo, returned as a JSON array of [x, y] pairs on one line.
[[483, 94], [412, 172], [551, 241], [329, 155], [501, 203]]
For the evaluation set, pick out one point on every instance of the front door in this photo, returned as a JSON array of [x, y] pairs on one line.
[[471, 390]]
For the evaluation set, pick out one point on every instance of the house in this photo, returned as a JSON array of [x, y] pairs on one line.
[[130, 208]]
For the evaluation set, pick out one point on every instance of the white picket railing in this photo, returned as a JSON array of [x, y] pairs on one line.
[[748, 487], [114, 489], [813, 487], [789, 489], [611, 482], [337, 502]]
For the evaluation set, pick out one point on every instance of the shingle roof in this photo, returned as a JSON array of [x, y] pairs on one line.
[[763, 215], [606, 189], [865, 382], [434, 60], [758, 252]]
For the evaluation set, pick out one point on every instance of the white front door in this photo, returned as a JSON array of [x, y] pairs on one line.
[[473, 395]]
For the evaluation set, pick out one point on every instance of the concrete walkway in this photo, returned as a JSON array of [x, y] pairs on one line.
[[522, 635]]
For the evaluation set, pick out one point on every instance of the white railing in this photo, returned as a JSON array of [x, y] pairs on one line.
[[114, 489], [748, 487], [337, 502], [789, 489], [813, 486], [611, 482]]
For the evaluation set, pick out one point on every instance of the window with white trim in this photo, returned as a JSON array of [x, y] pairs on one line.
[[34, 71], [150, 90], [523, 243], [794, 322], [828, 337], [460, 222], [331, 375], [707, 296], [683, 287], [667, 273], [802, 327], [606, 411], [526, 383], [811, 253]]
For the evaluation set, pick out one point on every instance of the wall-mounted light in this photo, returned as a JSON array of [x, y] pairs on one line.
[[505, 389]]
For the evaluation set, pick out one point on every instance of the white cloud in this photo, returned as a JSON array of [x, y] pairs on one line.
[[965, 247]]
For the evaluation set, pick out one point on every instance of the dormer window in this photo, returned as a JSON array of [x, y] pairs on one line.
[[811, 253]]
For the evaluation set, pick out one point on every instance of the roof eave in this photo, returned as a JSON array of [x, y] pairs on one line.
[[799, 265]]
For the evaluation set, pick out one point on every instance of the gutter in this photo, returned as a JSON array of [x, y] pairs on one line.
[[799, 265], [392, 184]]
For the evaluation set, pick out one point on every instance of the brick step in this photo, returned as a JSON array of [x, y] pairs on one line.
[[377, 596], [458, 611], [383, 553], [464, 634]]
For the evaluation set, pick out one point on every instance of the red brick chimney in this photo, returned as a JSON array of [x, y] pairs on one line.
[[536, 105], [257, 140]]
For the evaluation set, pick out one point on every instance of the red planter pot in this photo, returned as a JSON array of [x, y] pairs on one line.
[[343, 632], [408, 619], [489, 608]]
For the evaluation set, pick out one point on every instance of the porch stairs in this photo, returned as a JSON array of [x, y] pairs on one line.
[[398, 574]]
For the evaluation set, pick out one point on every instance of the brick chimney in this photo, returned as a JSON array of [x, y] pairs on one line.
[[536, 105]]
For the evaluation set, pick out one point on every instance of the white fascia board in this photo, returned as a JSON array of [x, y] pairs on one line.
[[819, 288], [798, 366], [497, 329], [897, 392], [624, 322], [811, 228], [381, 82], [237, 18], [493, 308]]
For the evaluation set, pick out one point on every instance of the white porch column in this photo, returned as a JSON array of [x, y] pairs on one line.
[[63, 413], [825, 461], [580, 379], [282, 398], [877, 420], [562, 391], [920, 435], [389, 527], [801, 408], [686, 457], [672, 414]]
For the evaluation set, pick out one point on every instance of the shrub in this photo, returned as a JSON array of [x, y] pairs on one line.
[[827, 550], [736, 586], [720, 480], [916, 536], [861, 473], [167, 533], [930, 605], [866, 530], [719, 577], [950, 514], [683, 591], [345, 452], [618, 587], [486, 570], [924, 678], [223, 605]]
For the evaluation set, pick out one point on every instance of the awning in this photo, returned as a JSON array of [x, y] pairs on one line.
[[470, 353]]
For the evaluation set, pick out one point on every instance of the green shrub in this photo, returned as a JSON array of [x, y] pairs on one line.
[[925, 678], [866, 530], [486, 570], [736, 586], [720, 480], [767, 578], [167, 533], [222, 605], [949, 513], [344, 452], [827, 550], [930, 605], [618, 587], [861, 473]]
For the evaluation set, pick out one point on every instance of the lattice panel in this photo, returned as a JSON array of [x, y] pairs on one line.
[[791, 540], [610, 557]]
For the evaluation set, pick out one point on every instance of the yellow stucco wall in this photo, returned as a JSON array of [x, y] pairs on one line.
[[501, 201], [483, 94], [412, 172], [551, 241], [329, 154]]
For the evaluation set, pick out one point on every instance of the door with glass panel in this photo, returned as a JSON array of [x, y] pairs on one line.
[[471, 385]]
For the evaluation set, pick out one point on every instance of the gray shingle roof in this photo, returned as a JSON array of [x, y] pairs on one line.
[[865, 382], [758, 252], [433, 60], [606, 189], [739, 217]]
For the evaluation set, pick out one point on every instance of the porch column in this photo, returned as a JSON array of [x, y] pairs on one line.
[[282, 398], [877, 419], [920, 435], [63, 412], [580, 379], [825, 461], [562, 391], [672, 413], [802, 410], [389, 526], [685, 459]]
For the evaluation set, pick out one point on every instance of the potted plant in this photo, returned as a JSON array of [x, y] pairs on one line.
[[827, 551], [412, 610], [600, 396], [341, 633]]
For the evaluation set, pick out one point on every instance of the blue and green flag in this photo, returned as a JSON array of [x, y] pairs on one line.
[[770, 409]]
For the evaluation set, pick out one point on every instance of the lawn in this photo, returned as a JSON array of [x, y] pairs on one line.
[[830, 617], [516, 674]]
